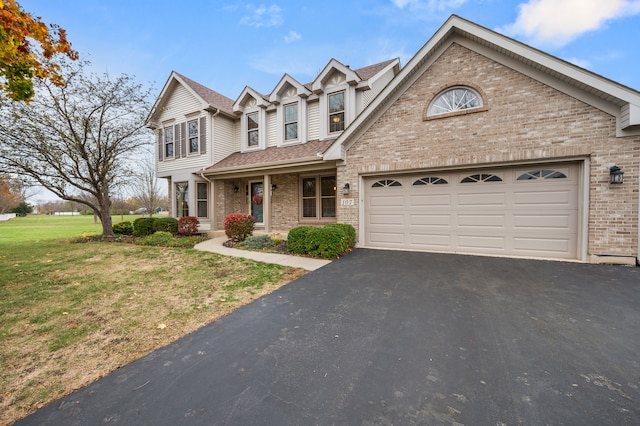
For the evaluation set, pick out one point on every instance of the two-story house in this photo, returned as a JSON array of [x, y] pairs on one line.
[[479, 144]]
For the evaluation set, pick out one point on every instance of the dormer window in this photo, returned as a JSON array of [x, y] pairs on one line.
[[253, 129], [336, 112], [291, 122]]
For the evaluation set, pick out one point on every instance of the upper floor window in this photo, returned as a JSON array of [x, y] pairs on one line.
[[168, 141], [454, 100], [336, 112], [253, 129], [291, 122], [193, 136]]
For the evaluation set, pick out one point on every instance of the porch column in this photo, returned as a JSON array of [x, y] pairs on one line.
[[266, 203]]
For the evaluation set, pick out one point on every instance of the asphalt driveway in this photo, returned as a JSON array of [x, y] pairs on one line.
[[397, 338]]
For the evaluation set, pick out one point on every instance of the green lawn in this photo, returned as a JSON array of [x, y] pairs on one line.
[[43, 227], [71, 312]]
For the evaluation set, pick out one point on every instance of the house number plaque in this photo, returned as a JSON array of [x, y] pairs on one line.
[[348, 202]]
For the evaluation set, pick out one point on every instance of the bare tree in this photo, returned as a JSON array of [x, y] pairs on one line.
[[146, 188], [78, 140]]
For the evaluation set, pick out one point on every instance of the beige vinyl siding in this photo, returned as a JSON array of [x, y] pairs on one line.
[[226, 137], [180, 103], [313, 121], [272, 128]]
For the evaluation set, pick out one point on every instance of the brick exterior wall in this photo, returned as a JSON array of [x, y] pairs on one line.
[[524, 120]]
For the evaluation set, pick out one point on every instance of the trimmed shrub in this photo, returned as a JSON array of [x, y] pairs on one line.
[[326, 242], [188, 225], [143, 226], [348, 230], [239, 226], [114, 212], [123, 228], [165, 224], [257, 242], [297, 239]]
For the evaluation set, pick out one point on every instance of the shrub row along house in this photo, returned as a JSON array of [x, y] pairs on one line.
[[479, 144]]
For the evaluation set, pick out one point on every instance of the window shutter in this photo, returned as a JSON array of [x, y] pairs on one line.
[[176, 141], [160, 146], [183, 139], [203, 135]]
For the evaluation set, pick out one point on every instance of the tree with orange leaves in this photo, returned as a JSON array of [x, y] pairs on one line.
[[19, 61]]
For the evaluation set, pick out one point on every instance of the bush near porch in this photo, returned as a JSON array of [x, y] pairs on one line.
[[328, 242]]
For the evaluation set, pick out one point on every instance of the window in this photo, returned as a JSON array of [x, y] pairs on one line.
[[182, 199], [542, 174], [168, 141], [193, 136], [291, 122], [385, 183], [319, 197], [336, 112], [202, 199], [253, 129], [481, 177], [454, 100], [430, 181]]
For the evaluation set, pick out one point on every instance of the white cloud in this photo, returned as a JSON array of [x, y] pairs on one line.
[[580, 62], [558, 22], [292, 36], [263, 16]]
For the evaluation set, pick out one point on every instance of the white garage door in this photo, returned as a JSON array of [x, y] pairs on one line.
[[524, 211]]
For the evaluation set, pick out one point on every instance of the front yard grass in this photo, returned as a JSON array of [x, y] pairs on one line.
[[71, 313]]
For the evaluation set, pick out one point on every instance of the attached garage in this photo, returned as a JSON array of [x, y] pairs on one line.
[[518, 211]]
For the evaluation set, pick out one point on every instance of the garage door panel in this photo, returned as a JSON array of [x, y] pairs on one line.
[[439, 220], [537, 216], [532, 245], [387, 238], [482, 243], [394, 201], [481, 200], [432, 241], [482, 220], [435, 200], [544, 198], [544, 221]]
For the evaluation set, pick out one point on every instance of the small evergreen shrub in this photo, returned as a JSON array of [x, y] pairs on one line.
[[143, 226], [188, 225], [348, 230], [239, 226], [257, 242], [326, 242], [123, 228], [114, 212], [165, 224], [297, 239]]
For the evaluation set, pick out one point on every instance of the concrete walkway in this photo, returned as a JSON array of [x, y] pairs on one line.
[[215, 245]]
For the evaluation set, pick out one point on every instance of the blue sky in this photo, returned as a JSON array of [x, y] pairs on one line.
[[226, 45]]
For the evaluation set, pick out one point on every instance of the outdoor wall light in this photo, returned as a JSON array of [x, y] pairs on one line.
[[345, 189], [236, 189], [273, 187], [616, 176]]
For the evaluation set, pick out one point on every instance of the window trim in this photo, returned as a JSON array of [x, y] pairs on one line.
[[196, 137], [318, 197], [165, 143], [179, 212], [200, 200], [342, 112], [480, 95], [285, 122]]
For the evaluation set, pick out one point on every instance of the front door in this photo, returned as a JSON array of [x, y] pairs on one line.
[[257, 198]]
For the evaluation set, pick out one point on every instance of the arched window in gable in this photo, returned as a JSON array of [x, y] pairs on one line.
[[456, 100]]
